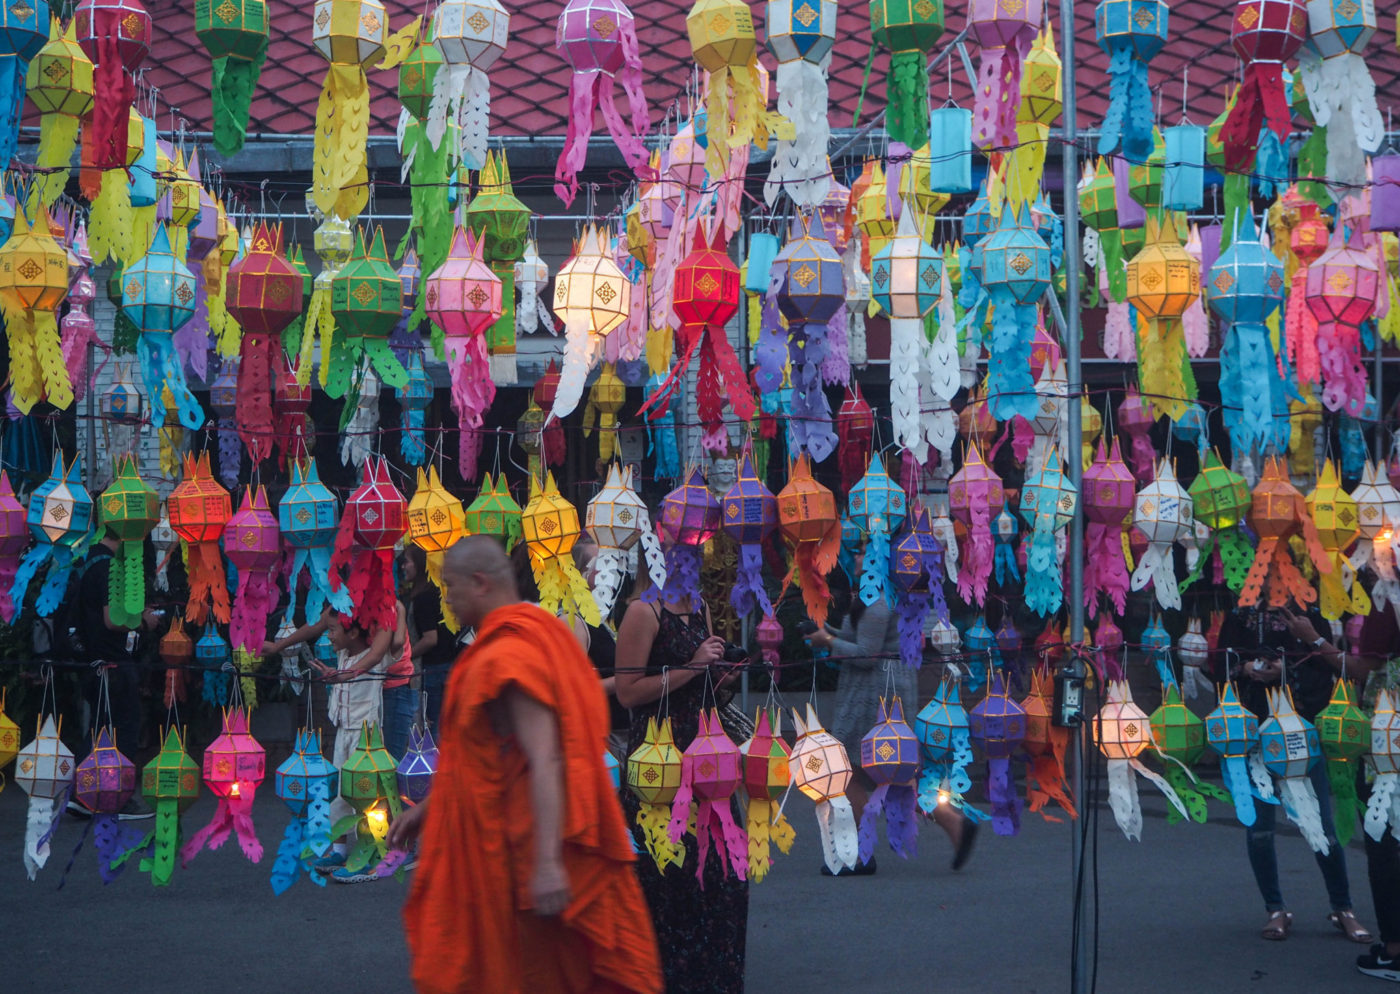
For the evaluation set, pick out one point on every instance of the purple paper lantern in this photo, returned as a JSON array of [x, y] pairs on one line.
[[998, 725], [811, 289], [916, 561], [1385, 193], [690, 516], [105, 779], [748, 515], [419, 764], [889, 754]]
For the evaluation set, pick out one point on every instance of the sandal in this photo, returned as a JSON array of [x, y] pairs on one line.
[[1346, 923], [1278, 925]]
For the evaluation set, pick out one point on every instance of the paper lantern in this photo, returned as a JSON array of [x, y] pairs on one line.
[[598, 38], [1344, 737], [1015, 273], [617, 519], [129, 510], [14, 539], [531, 276], [1339, 32], [877, 509], [889, 754], [158, 295], [1179, 735], [103, 782], [494, 512], [1342, 288], [1221, 500], [1004, 33], [975, 495], [59, 83], [1289, 747], [368, 783], [550, 527], [811, 289], [592, 298], [800, 35], [709, 774], [213, 655], [1378, 517], [44, 771], [472, 36], [808, 520], [436, 521], [235, 35], [1162, 512], [170, 784], [1265, 34], [366, 301], [1048, 500], [307, 520], [104, 29], [176, 650], [654, 776], [1130, 32], [917, 560], [1277, 514], [724, 44], [855, 426], [234, 766], [199, 511], [1383, 809], [264, 296], [253, 544], [1231, 732], [350, 35], [305, 782], [1245, 288], [766, 777], [998, 724], [415, 397], [23, 32], [946, 747], [373, 523], [1163, 280], [821, 770], [1335, 515], [33, 282], [690, 517], [59, 518], [1122, 732], [464, 299], [1108, 500], [418, 766], [909, 30], [1046, 744]]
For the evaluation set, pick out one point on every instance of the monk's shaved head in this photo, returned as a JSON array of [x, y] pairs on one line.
[[477, 554]]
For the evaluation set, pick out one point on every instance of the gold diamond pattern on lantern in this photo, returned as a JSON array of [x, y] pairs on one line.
[[592, 287], [1162, 278]]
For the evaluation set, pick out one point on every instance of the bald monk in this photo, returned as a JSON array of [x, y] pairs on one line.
[[524, 883]]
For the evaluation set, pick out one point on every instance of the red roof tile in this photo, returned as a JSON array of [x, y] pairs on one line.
[[531, 81]]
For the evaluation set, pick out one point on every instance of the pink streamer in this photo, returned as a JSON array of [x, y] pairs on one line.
[[233, 816]]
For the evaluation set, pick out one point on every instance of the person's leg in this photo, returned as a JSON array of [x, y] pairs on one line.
[[1259, 842], [124, 690], [434, 686], [1333, 863], [400, 705], [345, 742], [1383, 872]]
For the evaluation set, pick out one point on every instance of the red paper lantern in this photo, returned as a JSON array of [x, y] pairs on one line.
[[375, 518], [199, 509], [107, 28]]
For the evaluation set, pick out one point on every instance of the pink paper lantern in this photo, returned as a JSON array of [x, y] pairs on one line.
[[1109, 491], [253, 543], [234, 767], [975, 497], [709, 773], [1004, 31], [1342, 287], [14, 539]]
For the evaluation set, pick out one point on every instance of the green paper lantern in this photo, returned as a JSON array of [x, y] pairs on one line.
[[909, 29], [1098, 199], [1145, 178], [1176, 731], [495, 512], [366, 304], [171, 776], [235, 34], [1220, 496], [364, 772], [1343, 728], [417, 74], [498, 216], [130, 509]]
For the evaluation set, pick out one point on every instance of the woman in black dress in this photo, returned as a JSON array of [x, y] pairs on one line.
[[701, 932]]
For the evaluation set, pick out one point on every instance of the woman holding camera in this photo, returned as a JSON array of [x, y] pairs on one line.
[[665, 650]]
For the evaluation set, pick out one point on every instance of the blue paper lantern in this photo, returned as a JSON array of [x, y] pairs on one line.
[[305, 782], [950, 132], [158, 295], [1131, 32], [1016, 272], [1184, 176], [415, 396], [24, 29], [308, 517], [877, 508], [60, 519]]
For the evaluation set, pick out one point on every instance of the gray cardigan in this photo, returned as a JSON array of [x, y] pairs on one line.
[[868, 655]]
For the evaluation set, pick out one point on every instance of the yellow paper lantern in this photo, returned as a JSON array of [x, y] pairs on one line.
[[1338, 521], [436, 520], [550, 527], [33, 282], [724, 43]]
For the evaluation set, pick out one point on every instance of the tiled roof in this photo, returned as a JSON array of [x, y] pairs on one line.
[[530, 83]]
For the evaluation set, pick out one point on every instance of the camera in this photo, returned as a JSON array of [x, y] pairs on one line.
[[734, 654]]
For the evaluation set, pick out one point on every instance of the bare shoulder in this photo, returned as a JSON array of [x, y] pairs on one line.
[[640, 613]]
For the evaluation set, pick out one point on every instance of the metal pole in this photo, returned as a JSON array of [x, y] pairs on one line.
[[1079, 956], [1380, 400]]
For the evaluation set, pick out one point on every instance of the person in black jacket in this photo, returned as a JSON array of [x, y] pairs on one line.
[[1272, 645]]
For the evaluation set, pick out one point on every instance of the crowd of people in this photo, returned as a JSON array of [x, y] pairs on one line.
[[523, 835]]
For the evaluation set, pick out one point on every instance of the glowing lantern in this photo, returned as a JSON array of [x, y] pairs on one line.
[[1378, 517], [654, 776], [371, 526], [1122, 732], [234, 766], [820, 769], [368, 783], [946, 747], [550, 527], [436, 521], [592, 298], [305, 782]]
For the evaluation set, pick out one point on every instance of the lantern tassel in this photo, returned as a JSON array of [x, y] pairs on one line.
[[1046, 781], [654, 821], [1383, 809], [609, 567], [1127, 127], [233, 815], [1341, 778], [37, 831], [799, 163], [836, 822], [231, 87], [58, 136], [1300, 803], [908, 98], [161, 369], [288, 864], [1123, 798], [1161, 784], [1001, 791], [748, 591]]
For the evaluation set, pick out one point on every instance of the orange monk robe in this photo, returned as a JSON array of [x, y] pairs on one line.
[[468, 917]]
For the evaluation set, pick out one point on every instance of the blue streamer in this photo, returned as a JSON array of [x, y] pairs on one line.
[[1010, 386], [161, 367]]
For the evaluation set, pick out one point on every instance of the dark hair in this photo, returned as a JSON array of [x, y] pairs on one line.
[[857, 610], [524, 573], [419, 558]]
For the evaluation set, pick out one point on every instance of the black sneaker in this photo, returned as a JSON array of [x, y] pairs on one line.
[[1377, 964]]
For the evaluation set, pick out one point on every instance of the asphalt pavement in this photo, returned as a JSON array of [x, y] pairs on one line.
[[1178, 912]]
